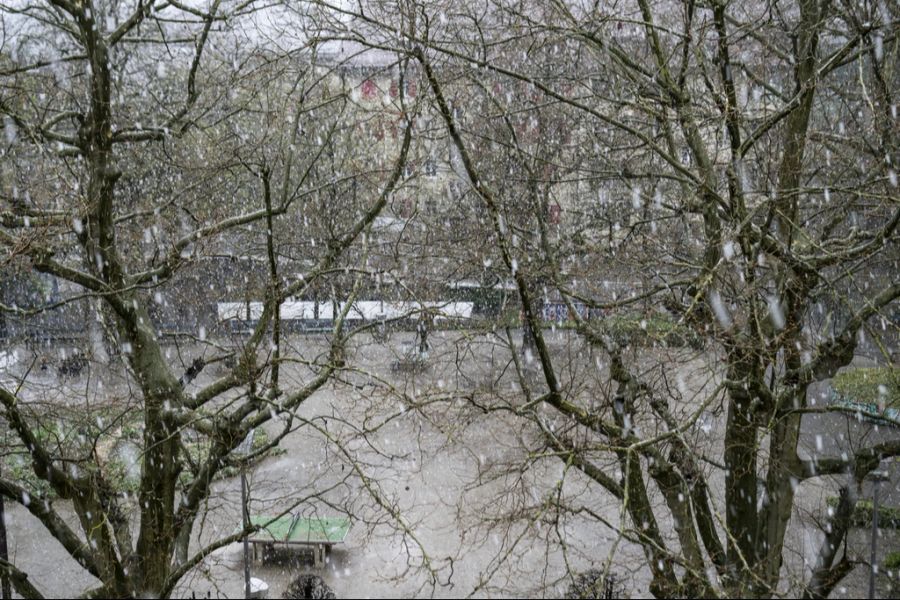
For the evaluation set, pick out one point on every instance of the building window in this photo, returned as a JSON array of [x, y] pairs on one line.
[[369, 89], [377, 129], [407, 207], [553, 213]]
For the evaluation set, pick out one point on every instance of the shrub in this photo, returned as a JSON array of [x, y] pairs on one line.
[[871, 386], [888, 516]]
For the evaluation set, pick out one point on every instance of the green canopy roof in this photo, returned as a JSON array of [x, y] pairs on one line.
[[301, 530]]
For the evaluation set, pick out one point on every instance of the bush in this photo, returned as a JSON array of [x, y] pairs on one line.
[[592, 584], [199, 451], [888, 516], [116, 469], [654, 330], [870, 386], [308, 586]]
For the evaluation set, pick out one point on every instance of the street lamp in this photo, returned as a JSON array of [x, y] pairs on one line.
[[244, 451], [876, 477], [4, 554]]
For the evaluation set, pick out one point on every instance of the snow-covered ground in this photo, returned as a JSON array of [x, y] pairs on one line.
[[420, 486]]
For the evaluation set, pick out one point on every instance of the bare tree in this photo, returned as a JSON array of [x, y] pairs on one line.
[[748, 152], [694, 205], [144, 143]]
